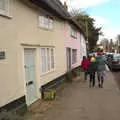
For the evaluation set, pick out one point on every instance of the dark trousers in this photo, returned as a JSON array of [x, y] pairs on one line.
[[92, 79]]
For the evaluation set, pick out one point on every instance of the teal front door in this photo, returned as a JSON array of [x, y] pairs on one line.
[[30, 75]]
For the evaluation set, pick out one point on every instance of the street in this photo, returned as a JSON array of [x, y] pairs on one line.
[[116, 75], [79, 102]]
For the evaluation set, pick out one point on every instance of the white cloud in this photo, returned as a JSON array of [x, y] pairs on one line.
[[83, 3], [111, 33], [108, 31], [100, 21]]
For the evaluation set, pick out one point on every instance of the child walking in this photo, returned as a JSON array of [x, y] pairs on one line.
[[92, 69], [84, 64]]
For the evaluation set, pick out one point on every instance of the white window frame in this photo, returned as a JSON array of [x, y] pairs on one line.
[[74, 56], [48, 60], [52, 56], [5, 11], [43, 60], [46, 22]]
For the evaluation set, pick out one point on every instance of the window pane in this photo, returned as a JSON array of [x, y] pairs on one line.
[[52, 58], [48, 59], [2, 4], [41, 21], [43, 59], [74, 56], [50, 23], [74, 33], [46, 22]]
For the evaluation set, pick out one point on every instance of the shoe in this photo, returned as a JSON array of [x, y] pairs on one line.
[[99, 85]]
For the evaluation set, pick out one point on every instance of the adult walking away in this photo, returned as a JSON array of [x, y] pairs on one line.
[[101, 69], [84, 64], [92, 70]]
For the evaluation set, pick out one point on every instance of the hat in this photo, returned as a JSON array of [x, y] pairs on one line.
[[99, 53], [84, 57], [93, 59]]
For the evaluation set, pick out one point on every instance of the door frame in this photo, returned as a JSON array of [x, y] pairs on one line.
[[69, 67]]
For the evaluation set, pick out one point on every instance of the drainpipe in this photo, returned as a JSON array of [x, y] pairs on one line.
[[87, 43]]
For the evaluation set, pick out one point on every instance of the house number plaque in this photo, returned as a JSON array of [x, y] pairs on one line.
[[2, 55]]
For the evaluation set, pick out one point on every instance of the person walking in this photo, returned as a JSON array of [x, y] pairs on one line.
[[84, 64], [101, 69], [92, 70]]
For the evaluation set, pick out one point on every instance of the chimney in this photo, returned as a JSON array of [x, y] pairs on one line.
[[65, 5]]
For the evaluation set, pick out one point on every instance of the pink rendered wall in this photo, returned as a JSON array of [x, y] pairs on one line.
[[72, 43]]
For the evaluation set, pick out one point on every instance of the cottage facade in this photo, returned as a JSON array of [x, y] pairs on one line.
[[32, 50], [72, 46]]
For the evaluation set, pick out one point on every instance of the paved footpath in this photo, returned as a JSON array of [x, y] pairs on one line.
[[79, 102]]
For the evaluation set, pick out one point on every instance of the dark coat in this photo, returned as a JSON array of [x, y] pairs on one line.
[[92, 67], [100, 63]]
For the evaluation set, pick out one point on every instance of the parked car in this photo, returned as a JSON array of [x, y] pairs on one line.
[[105, 58], [108, 58], [114, 62]]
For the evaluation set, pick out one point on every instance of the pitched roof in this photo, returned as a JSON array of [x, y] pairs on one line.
[[57, 8], [53, 6]]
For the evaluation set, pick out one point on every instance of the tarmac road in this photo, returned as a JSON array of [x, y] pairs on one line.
[[116, 75]]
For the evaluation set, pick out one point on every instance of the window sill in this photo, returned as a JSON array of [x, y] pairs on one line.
[[6, 15], [74, 37], [46, 29], [45, 73]]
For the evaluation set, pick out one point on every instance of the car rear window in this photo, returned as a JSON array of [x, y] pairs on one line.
[[110, 55], [117, 56]]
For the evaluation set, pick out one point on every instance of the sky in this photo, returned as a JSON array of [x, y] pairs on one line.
[[105, 12]]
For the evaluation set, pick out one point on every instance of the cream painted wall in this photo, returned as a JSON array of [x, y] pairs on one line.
[[23, 28], [10, 86]]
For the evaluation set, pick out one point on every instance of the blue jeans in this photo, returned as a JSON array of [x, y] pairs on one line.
[[101, 76]]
